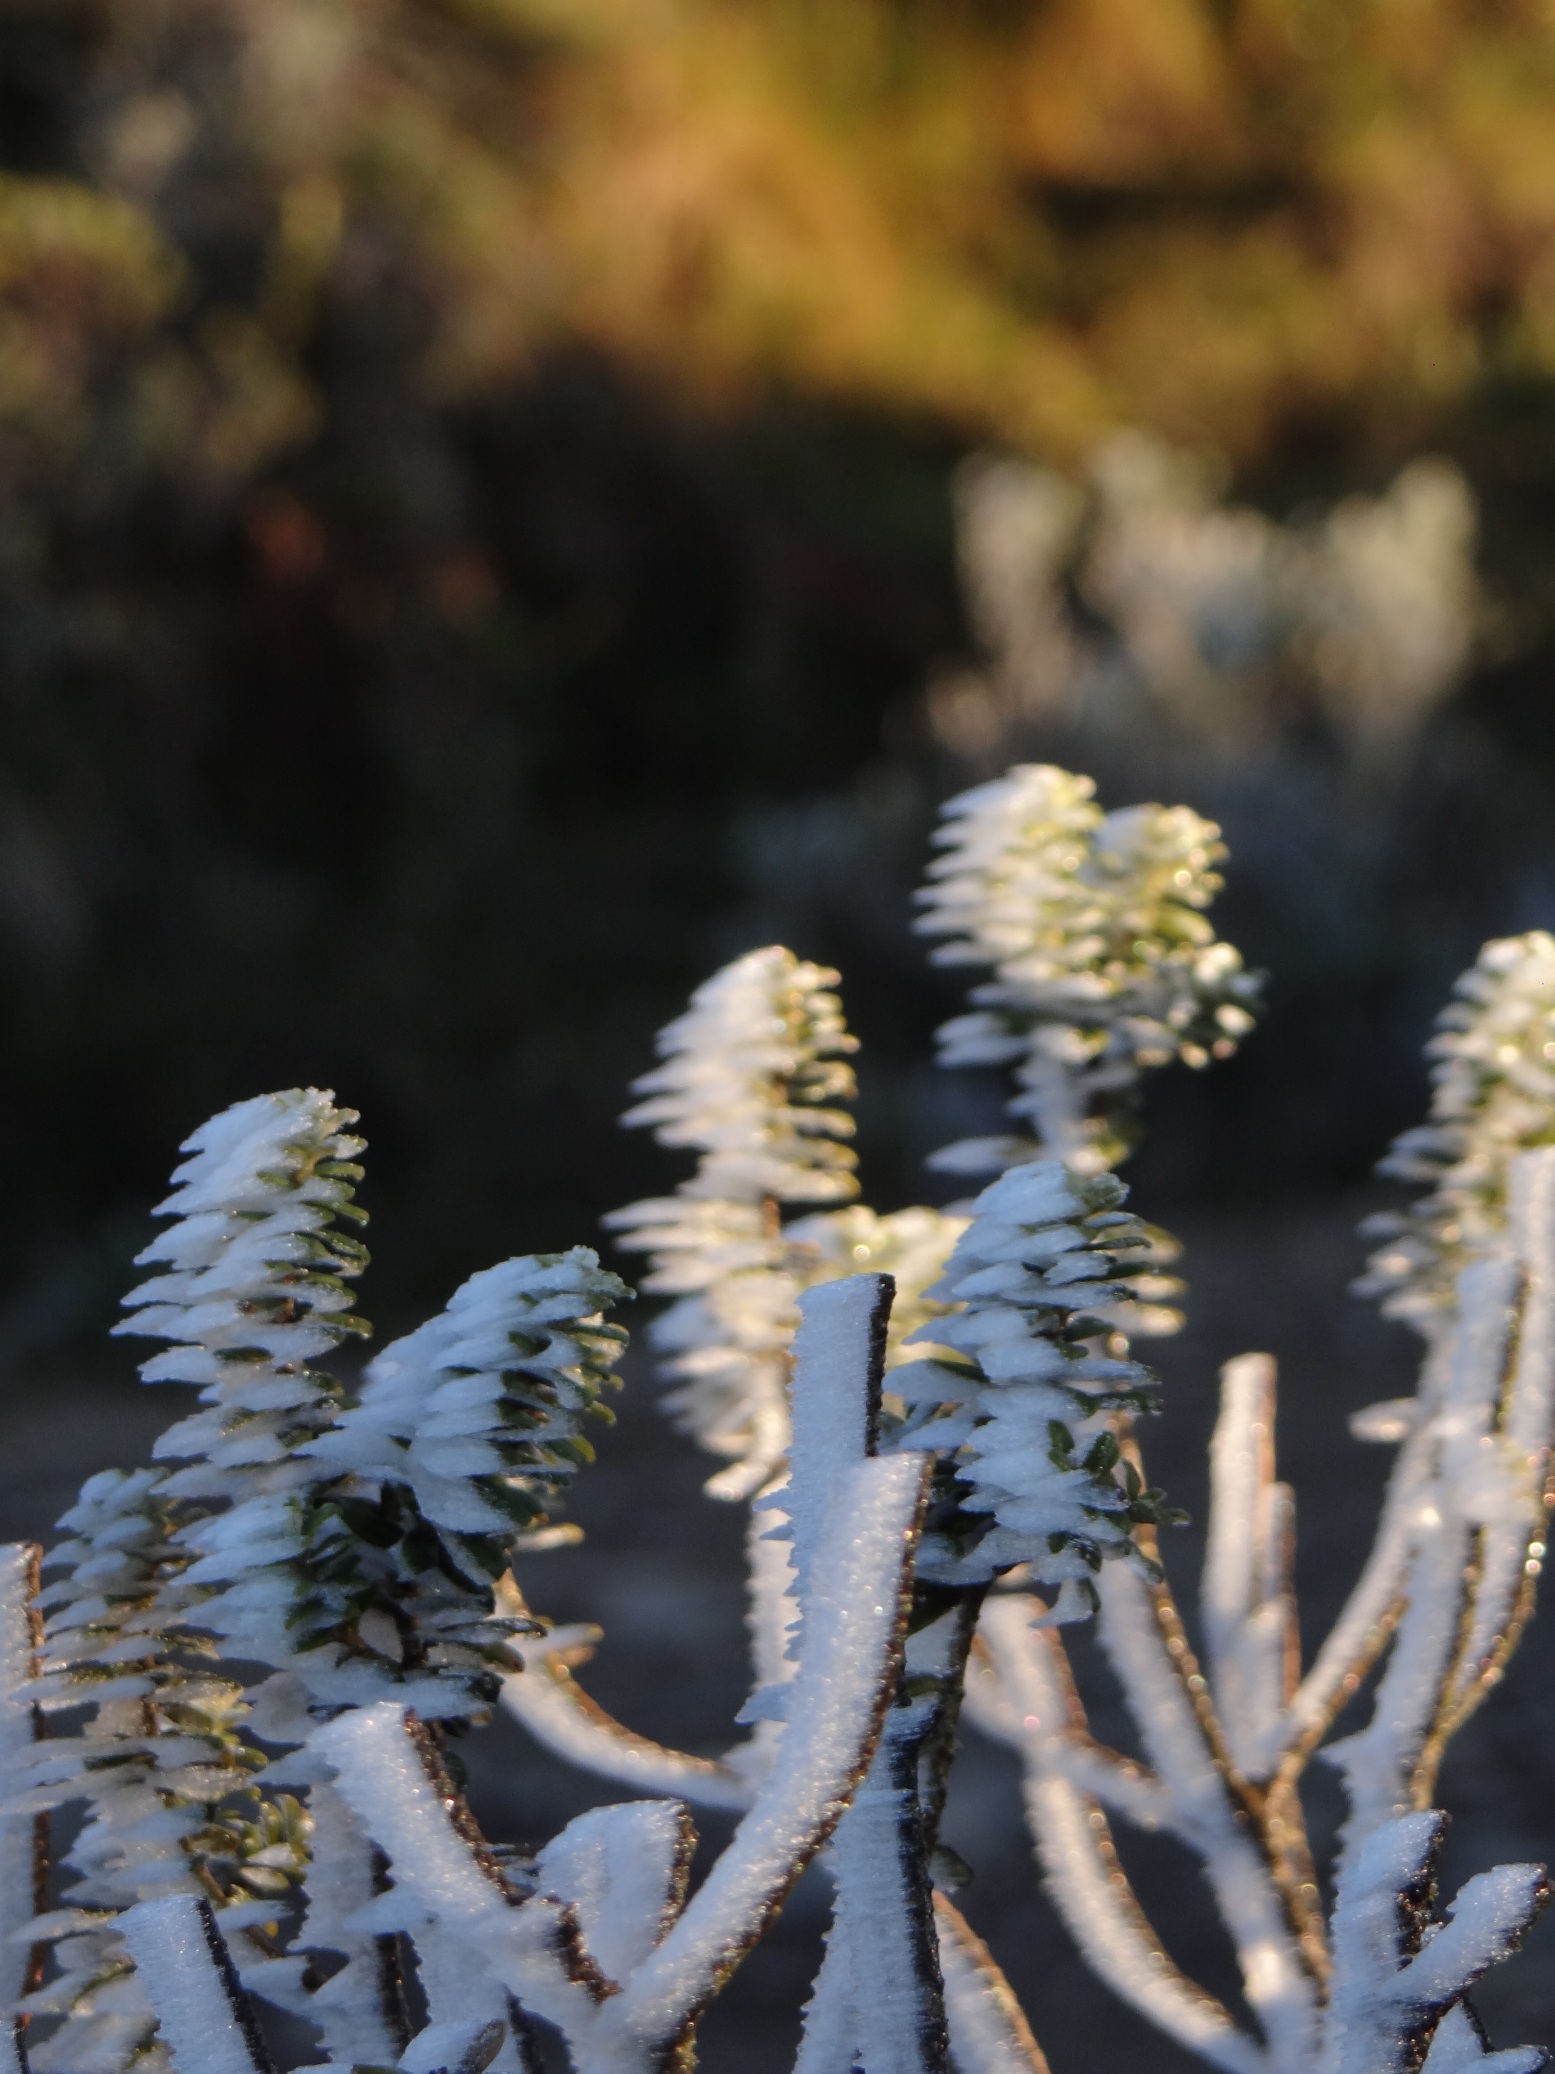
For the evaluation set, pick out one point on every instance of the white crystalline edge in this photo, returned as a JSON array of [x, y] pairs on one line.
[[1275, 1980], [348, 2008], [723, 1058], [1510, 1521], [618, 1866], [195, 2012], [896, 2008], [430, 1412], [830, 2037], [1377, 1996], [1033, 878], [1377, 1761], [1458, 2048], [850, 1626], [988, 2032], [829, 1394], [1013, 1695], [560, 1718], [841, 1676], [1241, 1598]]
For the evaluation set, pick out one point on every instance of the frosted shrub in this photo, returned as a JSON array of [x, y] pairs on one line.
[[243, 1665]]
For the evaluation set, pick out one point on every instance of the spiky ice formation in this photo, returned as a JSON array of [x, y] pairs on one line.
[[380, 1572], [752, 1078], [252, 1288], [1493, 1096], [1040, 1275], [1104, 962], [482, 1413], [161, 1753]]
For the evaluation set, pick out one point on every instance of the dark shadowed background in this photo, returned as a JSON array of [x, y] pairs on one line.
[[477, 550]]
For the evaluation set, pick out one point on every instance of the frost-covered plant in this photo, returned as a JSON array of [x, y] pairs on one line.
[[753, 1076], [272, 1640], [1104, 962], [1033, 1291], [1204, 616], [1493, 1096], [1028, 1401]]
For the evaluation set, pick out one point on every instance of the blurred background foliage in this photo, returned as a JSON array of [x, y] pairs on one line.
[[478, 546]]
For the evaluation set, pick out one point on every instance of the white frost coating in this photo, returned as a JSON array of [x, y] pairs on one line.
[[1459, 2048], [861, 1571], [562, 1718], [1038, 1275], [1389, 1988], [1509, 1525], [18, 1877], [480, 1409], [180, 1958], [380, 1774], [989, 2033], [351, 2008], [1465, 1486], [453, 2048], [1277, 1984], [1493, 1096], [837, 1359], [883, 1918], [1104, 964], [252, 1286], [442, 1892], [624, 1870], [863, 1567], [752, 1077], [1119, 1944], [771, 1618], [829, 2040], [1013, 1694], [1248, 1612]]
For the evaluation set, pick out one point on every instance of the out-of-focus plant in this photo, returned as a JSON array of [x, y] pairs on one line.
[[1137, 596]]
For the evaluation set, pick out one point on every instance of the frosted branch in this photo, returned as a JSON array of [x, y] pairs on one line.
[[202, 2012], [989, 2033], [1017, 1694], [1395, 1972], [1249, 1614]]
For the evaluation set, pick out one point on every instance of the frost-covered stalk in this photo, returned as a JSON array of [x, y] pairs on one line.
[[1026, 1415], [752, 1080], [1104, 963], [1445, 1592], [605, 1945], [356, 1552]]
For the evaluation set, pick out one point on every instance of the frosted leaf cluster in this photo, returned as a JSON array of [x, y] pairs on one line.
[[355, 1555], [1209, 617], [1035, 1281], [754, 1077], [483, 1411], [1493, 1096], [1104, 962], [249, 1657]]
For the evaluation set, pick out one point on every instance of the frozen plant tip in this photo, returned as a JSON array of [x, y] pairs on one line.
[[1034, 1286], [1104, 961], [753, 1077], [1493, 1096]]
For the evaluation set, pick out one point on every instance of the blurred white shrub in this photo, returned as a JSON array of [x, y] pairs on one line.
[[1138, 589]]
